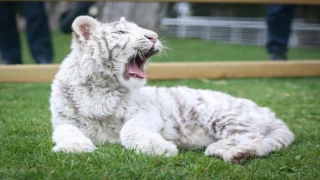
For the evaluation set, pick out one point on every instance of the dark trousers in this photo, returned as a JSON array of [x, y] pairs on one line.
[[81, 8], [38, 34], [279, 19]]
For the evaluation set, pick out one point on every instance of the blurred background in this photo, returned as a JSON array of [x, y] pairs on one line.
[[192, 31]]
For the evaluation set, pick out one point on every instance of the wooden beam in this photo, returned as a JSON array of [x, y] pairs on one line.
[[182, 70], [234, 69], [28, 73], [306, 2]]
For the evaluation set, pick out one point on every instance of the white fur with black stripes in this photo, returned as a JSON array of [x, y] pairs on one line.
[[96, 100]]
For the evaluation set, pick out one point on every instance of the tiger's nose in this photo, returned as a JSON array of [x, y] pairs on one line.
[[152, 38]]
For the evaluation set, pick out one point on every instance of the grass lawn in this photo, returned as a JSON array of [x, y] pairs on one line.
[[25, 129], [25, 138]]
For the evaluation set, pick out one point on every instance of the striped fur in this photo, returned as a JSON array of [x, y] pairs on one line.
[[95, 101]]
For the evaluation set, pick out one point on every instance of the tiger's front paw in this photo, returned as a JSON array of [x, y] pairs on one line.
[[75, 146], [164, 148], [153, 145]]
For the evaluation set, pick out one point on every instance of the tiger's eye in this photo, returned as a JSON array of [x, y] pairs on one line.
[[121, 32]]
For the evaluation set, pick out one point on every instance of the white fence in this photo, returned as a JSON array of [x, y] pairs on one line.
[[238, 30]]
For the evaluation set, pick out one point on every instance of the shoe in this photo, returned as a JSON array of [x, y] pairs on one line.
[[7, 62], [45, 62], [277, 56]]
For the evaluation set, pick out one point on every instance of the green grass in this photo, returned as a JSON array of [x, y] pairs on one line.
[[25, 129], [185, 50], [25, 138]]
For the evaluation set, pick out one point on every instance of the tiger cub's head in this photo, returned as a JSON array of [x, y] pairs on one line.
[[120, 49]]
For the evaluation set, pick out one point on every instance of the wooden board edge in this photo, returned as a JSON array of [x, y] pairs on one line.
[[302, 2], [180, 70]]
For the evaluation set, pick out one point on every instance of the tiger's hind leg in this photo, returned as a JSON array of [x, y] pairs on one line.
[[239, 147]]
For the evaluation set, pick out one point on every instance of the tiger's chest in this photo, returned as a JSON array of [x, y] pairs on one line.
[[102, 130]]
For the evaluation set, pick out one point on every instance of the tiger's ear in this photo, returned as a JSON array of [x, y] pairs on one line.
[[83, 26], [122, 20]]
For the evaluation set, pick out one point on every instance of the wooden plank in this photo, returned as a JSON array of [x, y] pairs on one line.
[[306, 2], [28, 73], [183, 70], [234, 69]]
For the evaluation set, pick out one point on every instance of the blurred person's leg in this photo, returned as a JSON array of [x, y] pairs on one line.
[[38, 33], [10, 49], [81, 8], [279, 19]]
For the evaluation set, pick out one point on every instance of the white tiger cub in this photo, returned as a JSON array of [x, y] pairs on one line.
[[97, 97]]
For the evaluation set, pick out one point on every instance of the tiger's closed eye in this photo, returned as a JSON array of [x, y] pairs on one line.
[[121, 32]]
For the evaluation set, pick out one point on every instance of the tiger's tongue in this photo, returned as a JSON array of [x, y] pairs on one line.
[[135, 71]]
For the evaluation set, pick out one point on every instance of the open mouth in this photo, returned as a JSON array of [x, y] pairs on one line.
[[136, 64]]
